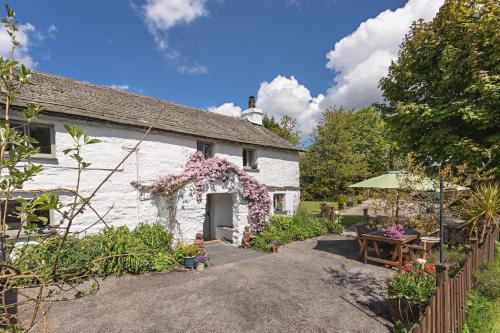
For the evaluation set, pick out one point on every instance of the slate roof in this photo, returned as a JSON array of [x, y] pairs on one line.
[[81, 99]]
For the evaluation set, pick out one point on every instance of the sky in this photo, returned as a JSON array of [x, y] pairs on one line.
[[298, 57]]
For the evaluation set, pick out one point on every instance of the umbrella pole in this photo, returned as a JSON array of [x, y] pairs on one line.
[[441, 220], [397, 203]]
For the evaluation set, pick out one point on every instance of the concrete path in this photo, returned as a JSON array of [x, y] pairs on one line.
[[220, 253], [311, 286]]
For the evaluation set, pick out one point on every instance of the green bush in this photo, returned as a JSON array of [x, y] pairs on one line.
[[342, 201], [487, 282], [479, 314], [483, 303], [283, 229], [114, 250]]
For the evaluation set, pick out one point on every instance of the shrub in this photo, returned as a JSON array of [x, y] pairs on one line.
[[360, 198], [285, 229], [479, 314], [487, 282], [342, 201], [426, 222], [113, 251]]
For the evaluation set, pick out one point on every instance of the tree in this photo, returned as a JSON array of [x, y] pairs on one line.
[[443, 92], [349, 146], [286, 128], [45, 280]]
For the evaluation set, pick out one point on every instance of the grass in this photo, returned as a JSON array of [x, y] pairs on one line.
[[483, 303], [312, 208], [350, 220]]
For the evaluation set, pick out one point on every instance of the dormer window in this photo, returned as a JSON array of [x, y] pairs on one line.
[[249, 160], [206, 148]]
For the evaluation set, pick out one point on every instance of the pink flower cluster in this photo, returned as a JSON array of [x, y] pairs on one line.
[[203, 171], [393, 231]]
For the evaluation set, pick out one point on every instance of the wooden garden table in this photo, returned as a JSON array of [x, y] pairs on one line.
[[377, 238]]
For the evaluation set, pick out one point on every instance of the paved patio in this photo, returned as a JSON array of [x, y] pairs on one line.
[[311, 286]]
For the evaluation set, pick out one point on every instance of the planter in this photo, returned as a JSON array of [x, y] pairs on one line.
[[400, 309], [274, 248], [200, 266], [189, 262]]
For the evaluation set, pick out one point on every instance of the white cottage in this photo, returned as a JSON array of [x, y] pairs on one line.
[[119, 119]]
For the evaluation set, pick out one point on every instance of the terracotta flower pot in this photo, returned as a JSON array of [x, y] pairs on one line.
[[275, 248]]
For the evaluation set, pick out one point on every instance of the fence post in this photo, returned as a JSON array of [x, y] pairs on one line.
[[474, 247], [443, 284]]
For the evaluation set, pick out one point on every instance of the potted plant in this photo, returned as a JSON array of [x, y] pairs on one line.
[[190, 254], [200, 262], [410, 290], [275, 244], [393, 231]]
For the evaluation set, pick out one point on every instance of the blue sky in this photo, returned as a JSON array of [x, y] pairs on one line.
[[206, 53]]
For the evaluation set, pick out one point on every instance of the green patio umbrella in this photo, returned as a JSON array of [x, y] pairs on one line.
[[401, 180]]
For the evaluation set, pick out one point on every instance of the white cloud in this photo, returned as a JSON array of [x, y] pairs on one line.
[[282, 96], [228, 109], [51, 31], [123, 87], [286, 96], [362, 58], [193, 70], [163, 15], [24, 35], [359, 60]]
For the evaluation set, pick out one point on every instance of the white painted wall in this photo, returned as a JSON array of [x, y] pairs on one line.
[[159, 155]]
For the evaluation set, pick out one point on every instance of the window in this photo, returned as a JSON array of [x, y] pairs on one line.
[[279, 203], [249, 161], [205, 148], [14, 222], [42, 133]]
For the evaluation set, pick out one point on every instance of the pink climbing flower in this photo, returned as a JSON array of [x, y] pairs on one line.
[[202, 172]]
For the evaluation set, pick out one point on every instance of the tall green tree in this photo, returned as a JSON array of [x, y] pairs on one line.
[[286, 128], [443, 92], [348, 146]]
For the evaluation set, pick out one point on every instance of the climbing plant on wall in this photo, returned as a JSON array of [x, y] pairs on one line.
[[201, 172]]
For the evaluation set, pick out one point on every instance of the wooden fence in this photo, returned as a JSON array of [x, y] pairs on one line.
[[446, 310]]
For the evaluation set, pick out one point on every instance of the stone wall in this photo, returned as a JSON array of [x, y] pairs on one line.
[[160, 154]]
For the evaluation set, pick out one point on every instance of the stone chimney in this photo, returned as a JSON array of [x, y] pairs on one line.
[[252, 114]]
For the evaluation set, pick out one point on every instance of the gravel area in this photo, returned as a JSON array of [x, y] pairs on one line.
[[313, 286]]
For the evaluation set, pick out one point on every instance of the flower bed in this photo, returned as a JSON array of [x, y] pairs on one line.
[[410, 290]]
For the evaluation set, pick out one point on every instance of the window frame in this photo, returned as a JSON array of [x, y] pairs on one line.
[[26, 131], [252, 165], [283, 203], [205, 144], [13, 232]]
